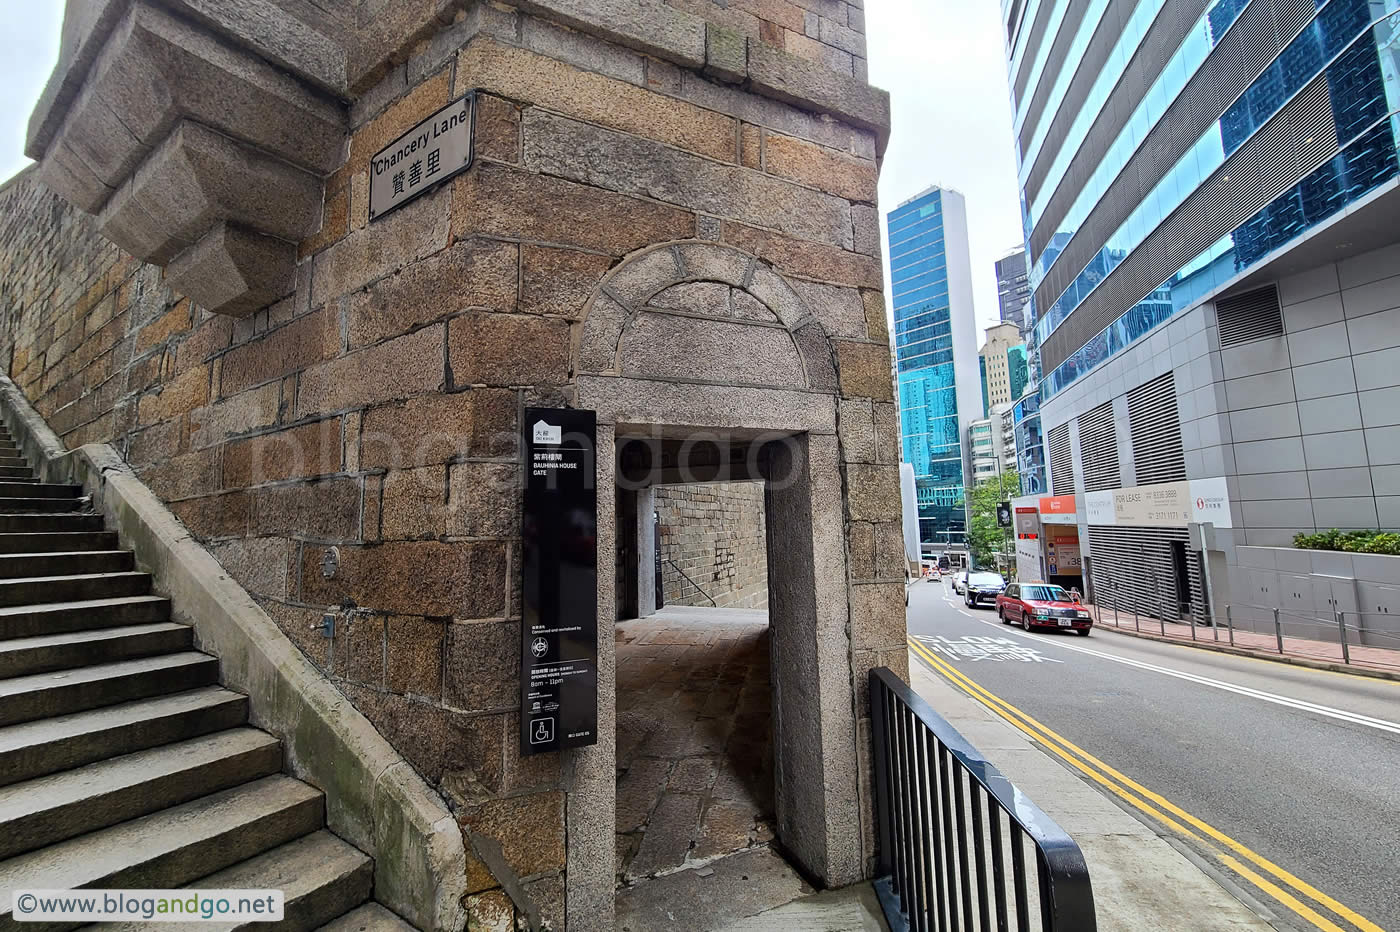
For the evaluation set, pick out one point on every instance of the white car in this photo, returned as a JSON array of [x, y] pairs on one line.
[[960, 581]]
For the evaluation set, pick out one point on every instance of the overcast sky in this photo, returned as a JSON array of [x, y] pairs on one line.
[[941, 60], [28, 49]]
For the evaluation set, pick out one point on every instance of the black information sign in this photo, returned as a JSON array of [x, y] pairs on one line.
[[559, 636], [1004, 514]]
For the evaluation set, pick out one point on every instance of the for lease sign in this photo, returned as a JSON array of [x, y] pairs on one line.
[[1166, 504]]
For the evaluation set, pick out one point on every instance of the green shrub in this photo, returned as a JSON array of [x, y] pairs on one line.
[[1383, 542]]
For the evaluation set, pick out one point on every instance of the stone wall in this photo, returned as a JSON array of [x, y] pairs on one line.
[[712, 544], [354, 446], [831, 32]]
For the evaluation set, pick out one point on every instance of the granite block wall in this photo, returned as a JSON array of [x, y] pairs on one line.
[[353, 447], [712, 544]]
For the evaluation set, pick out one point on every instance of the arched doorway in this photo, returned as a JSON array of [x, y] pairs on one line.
[[696, 339]]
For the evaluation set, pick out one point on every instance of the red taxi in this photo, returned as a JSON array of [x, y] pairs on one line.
[[1041, 605]]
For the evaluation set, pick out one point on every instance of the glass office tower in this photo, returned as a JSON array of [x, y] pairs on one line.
[[1209, 194], [1161, 155], [936, 355], [1014, 289]]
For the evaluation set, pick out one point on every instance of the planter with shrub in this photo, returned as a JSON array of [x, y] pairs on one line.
[[1382, 542]]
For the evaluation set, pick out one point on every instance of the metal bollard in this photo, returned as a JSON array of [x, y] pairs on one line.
[[1278, 631], [1161, 612], [1192, 616], [1342, 627], [1230, 625]]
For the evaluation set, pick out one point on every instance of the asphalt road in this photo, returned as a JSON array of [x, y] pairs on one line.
[[1302, 767]]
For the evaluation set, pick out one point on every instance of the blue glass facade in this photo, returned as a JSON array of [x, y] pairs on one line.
[[1353, 46], [927, 381]]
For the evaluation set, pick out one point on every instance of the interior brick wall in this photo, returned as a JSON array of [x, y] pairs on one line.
[[712, 544]]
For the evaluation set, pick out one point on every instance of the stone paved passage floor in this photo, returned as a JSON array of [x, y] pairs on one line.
[[694, 738]]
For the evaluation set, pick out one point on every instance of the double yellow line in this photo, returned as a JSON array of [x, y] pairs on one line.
[[1225, 849]]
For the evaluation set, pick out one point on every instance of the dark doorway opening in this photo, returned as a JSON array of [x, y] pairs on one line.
[[695, 749]]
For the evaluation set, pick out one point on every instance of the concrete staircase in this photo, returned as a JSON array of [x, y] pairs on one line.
[[123, 762]]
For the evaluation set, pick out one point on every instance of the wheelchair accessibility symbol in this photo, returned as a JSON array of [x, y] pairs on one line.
[[542, 730]]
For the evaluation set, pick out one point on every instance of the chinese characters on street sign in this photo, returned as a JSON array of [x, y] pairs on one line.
[[431, 152]]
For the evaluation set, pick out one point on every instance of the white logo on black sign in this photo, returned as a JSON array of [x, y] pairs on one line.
[[548, 434], [542, 730], [539, 647]]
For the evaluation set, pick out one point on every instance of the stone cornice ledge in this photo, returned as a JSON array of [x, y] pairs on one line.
[[374, 799], [653, 28]]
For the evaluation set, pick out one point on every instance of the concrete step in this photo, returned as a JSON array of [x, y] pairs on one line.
[[16, 473], [26, 656], [15, 505], [27, 698], [320, 876], [18, 621], [26, 524], [64, 805], [56, 563], [34, 590], [58, 541], [34, 749], [169, 848], [370, 917], [40, 490], [14, 461]]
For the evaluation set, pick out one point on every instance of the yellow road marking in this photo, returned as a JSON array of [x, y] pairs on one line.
[[1051, 739], [1280, 894]]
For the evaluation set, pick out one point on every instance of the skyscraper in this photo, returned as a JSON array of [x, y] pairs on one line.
[[936, 355], [1014, 289], [1209, 192], [1003, 362]]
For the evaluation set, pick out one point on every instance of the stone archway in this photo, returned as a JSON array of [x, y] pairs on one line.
[[696, 336]]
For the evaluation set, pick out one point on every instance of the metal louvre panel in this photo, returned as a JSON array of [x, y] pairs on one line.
[[1293, 143], [1163, 36], [1098, 449], [1154, 422], [1234, 64], [1023, 74], [1253, 315], [1090, 65], [1133, 570], [1061, 461], [1013, 19], [1199, 603], [1074, 17]]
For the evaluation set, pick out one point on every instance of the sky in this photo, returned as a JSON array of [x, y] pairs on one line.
[[941, 60], [28, 49]]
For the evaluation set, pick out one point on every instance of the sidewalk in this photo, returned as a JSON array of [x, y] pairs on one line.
[[1367, 661], [1141, 881]]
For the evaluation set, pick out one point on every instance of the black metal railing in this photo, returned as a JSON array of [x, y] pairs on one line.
[[692, 582], [954, 834]]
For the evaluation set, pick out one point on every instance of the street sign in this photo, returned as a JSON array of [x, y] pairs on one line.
[[559, 631], [428, 154], [1004, 514]]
